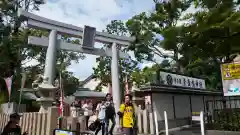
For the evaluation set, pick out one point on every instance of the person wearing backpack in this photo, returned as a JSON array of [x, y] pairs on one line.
[[110, 114], [127, 116]]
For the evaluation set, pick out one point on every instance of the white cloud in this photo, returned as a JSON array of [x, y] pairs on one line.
[[97, 13]]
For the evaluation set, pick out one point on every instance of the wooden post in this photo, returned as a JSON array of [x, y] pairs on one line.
[[166, 122], [52, 118], [151, 122], [139, 119], [45, 124], [156, 122], [145, 121], [34, 129], [39, 118], [202, 123]]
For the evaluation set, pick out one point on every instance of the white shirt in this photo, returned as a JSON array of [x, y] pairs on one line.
[[87, 109], [73, 111], [101, 109]]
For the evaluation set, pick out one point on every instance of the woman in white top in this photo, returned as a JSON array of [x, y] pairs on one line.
[[87, 108], [100, 111]]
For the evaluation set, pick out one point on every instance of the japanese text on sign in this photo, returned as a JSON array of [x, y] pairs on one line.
[[231, 71], [182, 81]]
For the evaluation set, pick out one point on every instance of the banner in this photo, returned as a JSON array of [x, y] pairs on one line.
[[61, 99], [126, 86], [231, 79], [8, 82]]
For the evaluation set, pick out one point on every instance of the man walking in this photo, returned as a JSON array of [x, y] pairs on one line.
[[12, 127], [110, 114], [127, 116]]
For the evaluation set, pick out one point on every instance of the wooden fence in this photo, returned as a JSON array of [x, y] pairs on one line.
[[35, 123], [44, 123]]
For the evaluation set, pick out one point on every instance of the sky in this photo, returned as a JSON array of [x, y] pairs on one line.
[[96, 13]]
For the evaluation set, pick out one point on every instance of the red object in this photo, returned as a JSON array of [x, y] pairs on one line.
[[8, 82], [61, 106]]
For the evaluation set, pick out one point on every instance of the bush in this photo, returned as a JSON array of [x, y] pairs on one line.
[[226, 119]]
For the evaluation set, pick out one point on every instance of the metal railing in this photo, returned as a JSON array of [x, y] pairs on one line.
[[223, 114]]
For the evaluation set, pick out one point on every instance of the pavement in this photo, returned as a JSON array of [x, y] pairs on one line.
[[187, 131]]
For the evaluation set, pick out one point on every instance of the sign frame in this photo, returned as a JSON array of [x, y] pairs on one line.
[[178, 80], [230, 75]]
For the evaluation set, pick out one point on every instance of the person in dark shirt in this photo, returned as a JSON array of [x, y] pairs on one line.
[[12, 127], [109, 114]]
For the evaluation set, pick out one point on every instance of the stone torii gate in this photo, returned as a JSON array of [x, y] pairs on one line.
[[89, 35]]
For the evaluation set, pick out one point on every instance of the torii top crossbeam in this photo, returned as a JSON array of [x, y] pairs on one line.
[[35, 21]]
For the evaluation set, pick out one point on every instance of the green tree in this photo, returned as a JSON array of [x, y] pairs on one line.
[[14, 48], [148, 74], [147, 27], [209, 40], [203, 41], [13, 40], [126, 66]]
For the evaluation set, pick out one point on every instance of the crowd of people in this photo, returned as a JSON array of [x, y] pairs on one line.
[[104, 113]]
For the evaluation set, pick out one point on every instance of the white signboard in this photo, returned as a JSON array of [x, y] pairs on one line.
[[231, 79], [182, 81], [196, 118]]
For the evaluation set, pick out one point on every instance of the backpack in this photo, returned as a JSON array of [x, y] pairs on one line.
[[110, 111]]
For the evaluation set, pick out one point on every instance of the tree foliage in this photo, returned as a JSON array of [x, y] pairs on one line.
[[126, 66], [200, 40], [15, 52]]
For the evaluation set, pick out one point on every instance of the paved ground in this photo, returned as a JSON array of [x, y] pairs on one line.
[[187, 131]]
